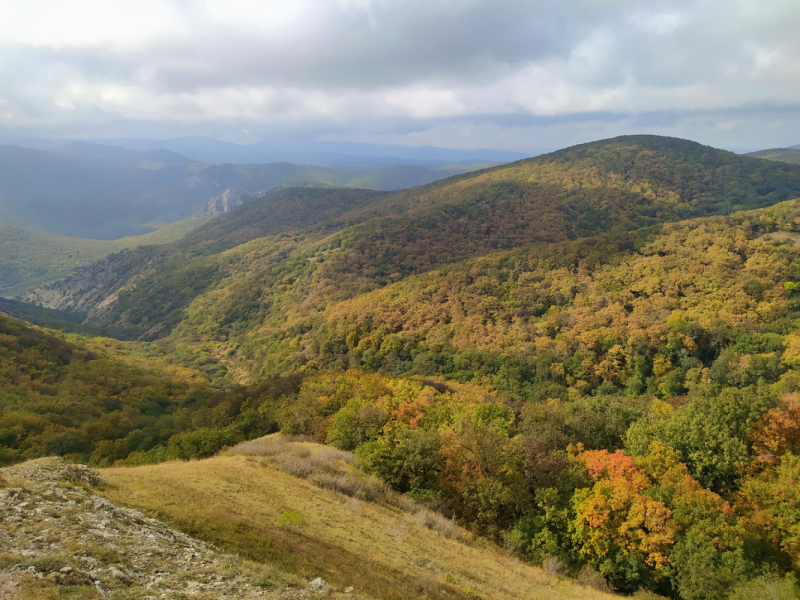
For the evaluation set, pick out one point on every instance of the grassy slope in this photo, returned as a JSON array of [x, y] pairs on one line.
[[236, 503], [30, 259], [787, 155]]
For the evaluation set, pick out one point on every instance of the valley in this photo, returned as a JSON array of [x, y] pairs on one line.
[[566, 376]]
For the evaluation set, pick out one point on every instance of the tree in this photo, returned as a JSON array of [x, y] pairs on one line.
[[620, 530]]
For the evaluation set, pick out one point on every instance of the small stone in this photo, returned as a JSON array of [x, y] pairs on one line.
[[318, 584], [348, 590], [119, 575], [66, 570]]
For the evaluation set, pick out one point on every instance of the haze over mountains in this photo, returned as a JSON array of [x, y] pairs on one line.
[[324, 153], [107, 192]]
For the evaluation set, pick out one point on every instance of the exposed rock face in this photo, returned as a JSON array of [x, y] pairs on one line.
[[56, 532], [92, 289], [224, 202]]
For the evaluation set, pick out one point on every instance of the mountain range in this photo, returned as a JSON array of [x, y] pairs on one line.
[[104, 192], [325, 153], [589, 357], [334, 244]]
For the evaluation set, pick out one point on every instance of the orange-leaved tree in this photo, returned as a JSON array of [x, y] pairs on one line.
[[618, 528]]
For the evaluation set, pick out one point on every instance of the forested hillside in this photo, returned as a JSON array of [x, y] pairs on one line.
[[30, 259], [591, 357], [787, 155], [313, 247], [71, 396]]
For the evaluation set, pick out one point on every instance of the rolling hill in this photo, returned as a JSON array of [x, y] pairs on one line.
[[589, 357], [309, 248], [787, 155]]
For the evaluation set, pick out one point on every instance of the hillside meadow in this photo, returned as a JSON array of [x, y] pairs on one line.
[[245, 502]]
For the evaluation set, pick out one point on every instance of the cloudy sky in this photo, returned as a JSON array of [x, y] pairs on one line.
[[513, 74]]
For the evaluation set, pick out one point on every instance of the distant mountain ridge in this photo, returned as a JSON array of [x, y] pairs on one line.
[[325, 153], [94, 191]]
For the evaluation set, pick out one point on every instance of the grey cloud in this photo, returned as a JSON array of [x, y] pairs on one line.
[[599, 63]]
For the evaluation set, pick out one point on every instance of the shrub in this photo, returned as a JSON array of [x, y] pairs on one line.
[[436, 522], [768, 587], [589, 577], [200, 443], [554, 565]]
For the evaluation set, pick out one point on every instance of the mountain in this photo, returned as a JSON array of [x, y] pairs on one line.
[[328, 245], [590, 357], [326, 153], [93, 191], [787, 155]]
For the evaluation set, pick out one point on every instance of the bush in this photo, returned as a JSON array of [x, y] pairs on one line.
[[768, 587], [554, 565], [200, 443], [589, 577], [436, 522]]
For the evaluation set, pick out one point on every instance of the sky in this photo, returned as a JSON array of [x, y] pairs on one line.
[[503, 74]]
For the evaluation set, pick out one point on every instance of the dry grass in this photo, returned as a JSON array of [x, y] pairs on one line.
[[371, 543]]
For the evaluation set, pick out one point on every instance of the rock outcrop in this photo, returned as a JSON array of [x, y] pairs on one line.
[[224, 202], [56, 532]]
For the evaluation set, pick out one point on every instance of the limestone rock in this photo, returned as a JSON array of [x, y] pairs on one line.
[[224, 202]]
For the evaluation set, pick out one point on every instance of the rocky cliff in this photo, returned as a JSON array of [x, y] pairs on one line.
[[224, 202]]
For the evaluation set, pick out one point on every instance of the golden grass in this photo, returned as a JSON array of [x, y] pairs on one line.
[[237, 501]]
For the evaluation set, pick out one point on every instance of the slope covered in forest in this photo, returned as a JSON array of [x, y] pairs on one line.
[[320, 246], [787, 155], [68, 395], [590, 357], [30, 259]]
